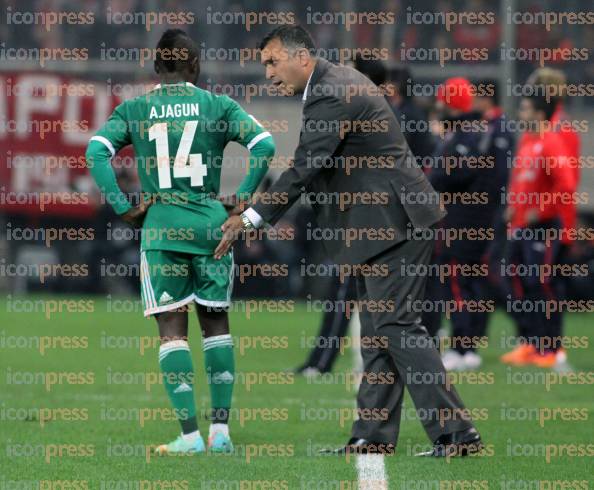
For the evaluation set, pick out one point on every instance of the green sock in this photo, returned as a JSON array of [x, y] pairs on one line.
[[178, 377], [219, 361]]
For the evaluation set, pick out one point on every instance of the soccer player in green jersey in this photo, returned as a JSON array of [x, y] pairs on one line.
[[179, 132]]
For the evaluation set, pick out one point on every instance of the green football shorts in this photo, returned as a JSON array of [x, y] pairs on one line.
[[170, 280]]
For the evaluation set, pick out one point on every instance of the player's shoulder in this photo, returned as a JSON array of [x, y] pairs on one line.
[[552, 140], [553, 144]]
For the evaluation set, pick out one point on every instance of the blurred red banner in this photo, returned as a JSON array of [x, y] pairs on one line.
[[46, 122]]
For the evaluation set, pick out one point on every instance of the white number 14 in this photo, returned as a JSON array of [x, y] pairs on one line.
[[185, 165]]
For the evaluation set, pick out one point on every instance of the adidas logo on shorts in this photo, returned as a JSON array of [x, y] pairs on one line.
[[165, 298]]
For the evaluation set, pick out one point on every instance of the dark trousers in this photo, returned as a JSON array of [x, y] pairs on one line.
[[333, 329], [467, 325], [461, 288], [529, 290], [402, 355]]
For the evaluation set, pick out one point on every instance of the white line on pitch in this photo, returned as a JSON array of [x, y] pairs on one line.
[[371, 472]]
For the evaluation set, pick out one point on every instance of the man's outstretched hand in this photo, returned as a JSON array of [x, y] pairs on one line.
[[135, 216], [233, 205], [232, 228]]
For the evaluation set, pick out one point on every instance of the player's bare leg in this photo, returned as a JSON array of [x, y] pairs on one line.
[[178, 377], [220, 371]]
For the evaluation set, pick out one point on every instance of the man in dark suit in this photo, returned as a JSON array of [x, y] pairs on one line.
[[381, 207]]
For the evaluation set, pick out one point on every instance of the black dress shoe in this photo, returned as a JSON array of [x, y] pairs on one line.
[[362, 446], [461, 443]]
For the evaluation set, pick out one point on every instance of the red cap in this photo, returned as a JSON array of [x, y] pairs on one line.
[[456, 93]]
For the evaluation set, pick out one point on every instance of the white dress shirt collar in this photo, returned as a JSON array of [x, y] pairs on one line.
[[307, 86]]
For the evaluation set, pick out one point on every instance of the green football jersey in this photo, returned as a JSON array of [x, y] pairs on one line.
[[179, 133]]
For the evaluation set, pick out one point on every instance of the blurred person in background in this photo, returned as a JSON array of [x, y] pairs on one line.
[[411, 117], [552, 85], [461, 169], [485, 34], [497, 143], [541, 177], [554, 82]]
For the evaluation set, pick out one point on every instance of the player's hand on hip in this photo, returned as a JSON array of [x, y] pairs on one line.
[[232, 228], [135, 216]]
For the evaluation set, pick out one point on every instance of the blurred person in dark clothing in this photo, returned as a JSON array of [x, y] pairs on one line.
[[411, 117], [470, 183], [375, 70], [498, 143]]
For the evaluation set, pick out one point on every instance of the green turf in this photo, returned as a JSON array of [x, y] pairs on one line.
[[281, 447]]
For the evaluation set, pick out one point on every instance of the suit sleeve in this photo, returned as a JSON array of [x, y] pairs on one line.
[[321, 135], [247, 131], [111, 138]]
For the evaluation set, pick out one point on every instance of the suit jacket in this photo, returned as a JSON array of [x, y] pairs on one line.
[[366, 189]]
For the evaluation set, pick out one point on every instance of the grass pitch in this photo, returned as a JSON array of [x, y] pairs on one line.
[[80, 407]]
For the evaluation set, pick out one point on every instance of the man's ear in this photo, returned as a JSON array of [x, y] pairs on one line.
[[303, 56]]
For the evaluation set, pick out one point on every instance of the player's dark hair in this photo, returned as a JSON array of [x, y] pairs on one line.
[[175, 52], [291, 36], [540, 103], [375, 70]]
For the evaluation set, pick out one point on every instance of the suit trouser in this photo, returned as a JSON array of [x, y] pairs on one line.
[[408, 357], [434, 290]]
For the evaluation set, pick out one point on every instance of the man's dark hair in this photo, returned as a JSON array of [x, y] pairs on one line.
[[291, 36], [375, 70], [175, 52], [492, 85], [402, 79], [540, 103]]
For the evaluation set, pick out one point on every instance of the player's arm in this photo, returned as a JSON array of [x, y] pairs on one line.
[[564, 181], [111, 138], [247, 131]]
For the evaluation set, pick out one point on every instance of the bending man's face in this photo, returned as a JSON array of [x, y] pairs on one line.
[[284, 68]]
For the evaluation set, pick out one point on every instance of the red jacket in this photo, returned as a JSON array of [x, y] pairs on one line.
[[541, 179], [571, 139]]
